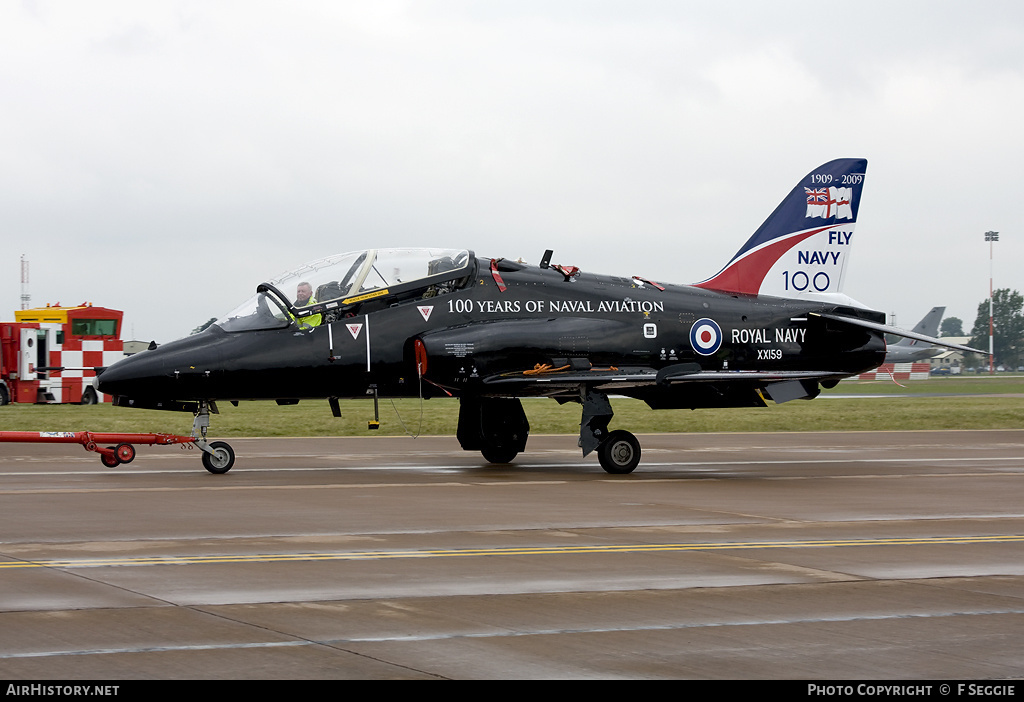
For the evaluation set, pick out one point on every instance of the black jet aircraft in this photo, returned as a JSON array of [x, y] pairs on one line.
[[773, 324]]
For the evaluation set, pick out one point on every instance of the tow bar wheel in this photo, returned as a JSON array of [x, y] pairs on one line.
[[125, 453], [122, 453], [221, 460]]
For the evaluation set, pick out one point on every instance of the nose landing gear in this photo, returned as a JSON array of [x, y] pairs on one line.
[[218, 456]]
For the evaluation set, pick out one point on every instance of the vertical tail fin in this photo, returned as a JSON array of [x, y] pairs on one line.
[[802, 249]]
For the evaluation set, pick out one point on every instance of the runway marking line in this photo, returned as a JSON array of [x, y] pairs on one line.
[[504, 551], [434, 469], [506, 633]]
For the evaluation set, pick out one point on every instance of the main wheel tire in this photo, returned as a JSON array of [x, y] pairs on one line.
[[221, 460], [499, 454], [619, 453]]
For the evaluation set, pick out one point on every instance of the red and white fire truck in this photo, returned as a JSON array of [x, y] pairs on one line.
[[49, 354]]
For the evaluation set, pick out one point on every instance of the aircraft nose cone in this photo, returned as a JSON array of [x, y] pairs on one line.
[[180, 370], [134, 376]]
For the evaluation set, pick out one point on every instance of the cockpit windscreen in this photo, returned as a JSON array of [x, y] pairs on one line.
[[341, 278]]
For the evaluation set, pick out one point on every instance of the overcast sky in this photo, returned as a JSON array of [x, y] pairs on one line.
[[165, 157]]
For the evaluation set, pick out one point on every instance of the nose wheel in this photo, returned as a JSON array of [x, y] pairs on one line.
[[220, 458]]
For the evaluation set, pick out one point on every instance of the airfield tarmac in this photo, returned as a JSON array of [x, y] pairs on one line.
[[875, 555]]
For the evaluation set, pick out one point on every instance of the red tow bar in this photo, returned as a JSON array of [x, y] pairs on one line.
[[121, 452]]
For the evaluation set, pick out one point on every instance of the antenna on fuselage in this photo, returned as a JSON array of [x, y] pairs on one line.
[[546, 261]]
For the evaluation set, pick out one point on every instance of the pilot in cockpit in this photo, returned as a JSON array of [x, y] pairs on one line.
[[304, 298]]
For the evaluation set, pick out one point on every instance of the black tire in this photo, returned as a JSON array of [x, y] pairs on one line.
[[222, 459], [89, 398], [110, 461], [125, 453], [499, 454], [4, 397], [619, 453]]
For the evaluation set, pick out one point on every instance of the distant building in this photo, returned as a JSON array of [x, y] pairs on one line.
[[952, 359], [133, 347]]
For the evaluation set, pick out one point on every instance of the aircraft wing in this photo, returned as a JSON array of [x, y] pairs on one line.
[[885, 328]]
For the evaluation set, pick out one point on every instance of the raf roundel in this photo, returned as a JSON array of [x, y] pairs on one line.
[[705, 336]]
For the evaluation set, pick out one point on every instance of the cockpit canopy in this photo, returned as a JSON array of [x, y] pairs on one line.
[[341, 283]]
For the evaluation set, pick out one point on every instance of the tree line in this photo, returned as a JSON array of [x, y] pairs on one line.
[[1007, 327]]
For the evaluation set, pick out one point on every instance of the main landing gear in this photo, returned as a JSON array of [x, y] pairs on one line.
[[495, 426], [618, 451], [498, 429]]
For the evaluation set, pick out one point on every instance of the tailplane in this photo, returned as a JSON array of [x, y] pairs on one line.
[[802, 249]]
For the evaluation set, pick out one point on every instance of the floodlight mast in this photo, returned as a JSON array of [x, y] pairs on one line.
[[991, 237], [25, 297]]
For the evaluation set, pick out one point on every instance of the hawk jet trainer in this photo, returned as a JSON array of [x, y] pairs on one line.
[[773, 324]]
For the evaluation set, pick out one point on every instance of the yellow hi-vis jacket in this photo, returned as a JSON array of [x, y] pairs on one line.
[[312, 320]]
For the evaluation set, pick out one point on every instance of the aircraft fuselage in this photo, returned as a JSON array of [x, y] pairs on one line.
[[479, 339]]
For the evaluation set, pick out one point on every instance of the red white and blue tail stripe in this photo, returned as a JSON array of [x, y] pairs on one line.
[[802, 249]]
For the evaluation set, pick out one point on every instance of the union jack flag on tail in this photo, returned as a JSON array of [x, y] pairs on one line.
[[826, 202]]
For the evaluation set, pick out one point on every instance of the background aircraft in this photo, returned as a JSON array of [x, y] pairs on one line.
[[772, 324], [908, 350]]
